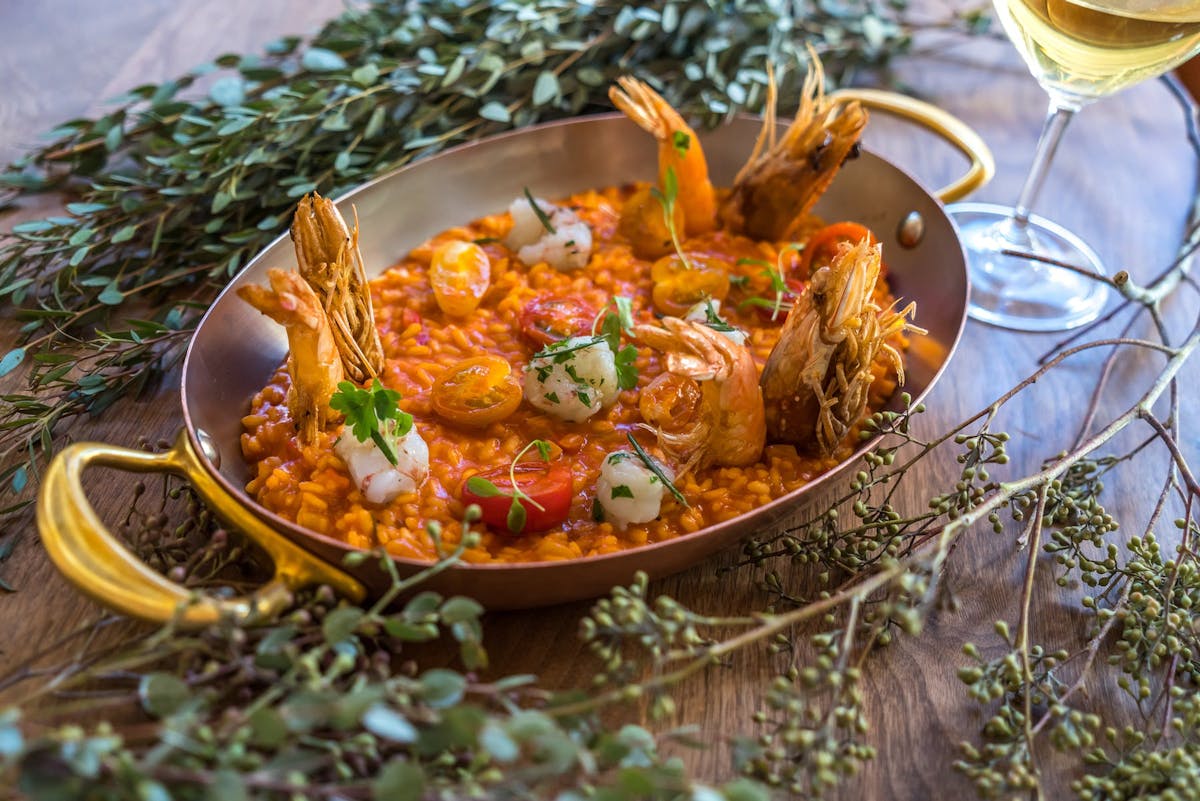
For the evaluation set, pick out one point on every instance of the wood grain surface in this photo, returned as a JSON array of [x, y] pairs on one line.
[[1123, 180]]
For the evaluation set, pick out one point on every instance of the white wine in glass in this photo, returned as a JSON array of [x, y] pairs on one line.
[[1079, 51]]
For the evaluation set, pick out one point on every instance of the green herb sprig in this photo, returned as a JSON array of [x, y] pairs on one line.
[[543, 218], [773, 272], [373, 414], [517, 514], [656, 469], [666, 198]]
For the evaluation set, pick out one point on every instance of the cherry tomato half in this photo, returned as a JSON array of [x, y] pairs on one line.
[[677, 288], [547, 483], [460, 273], [552, 318], [477, 391], [823, 245]]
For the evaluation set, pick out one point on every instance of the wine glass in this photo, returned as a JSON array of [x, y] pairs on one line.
[[1079, 51]]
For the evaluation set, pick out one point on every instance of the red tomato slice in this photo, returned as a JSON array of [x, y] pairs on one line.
[[549, 319], [477, 391], [822, 246], [547, 483]]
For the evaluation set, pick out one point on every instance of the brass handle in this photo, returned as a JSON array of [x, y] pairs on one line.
[[942, 123], [98, 564]]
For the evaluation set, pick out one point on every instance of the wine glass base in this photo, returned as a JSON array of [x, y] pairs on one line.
[[1023, 294]]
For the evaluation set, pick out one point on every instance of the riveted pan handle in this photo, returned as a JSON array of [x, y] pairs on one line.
[[942, 123], [97, 563]]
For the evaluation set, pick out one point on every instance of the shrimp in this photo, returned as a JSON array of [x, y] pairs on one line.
[[330, 261], [313, 360], [707, 409], [784, 178], [378, 479], [562, 240], [817, 377], [678, 150], [572, 379], [628, 491]]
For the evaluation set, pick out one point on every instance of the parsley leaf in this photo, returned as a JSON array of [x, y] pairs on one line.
[[681, 142], [373, 414], [622, 491], [627, 374]]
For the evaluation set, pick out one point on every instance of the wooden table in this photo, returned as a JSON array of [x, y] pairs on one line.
[[1122, 180]]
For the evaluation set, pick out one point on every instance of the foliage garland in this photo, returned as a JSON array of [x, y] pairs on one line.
[[320, 705]]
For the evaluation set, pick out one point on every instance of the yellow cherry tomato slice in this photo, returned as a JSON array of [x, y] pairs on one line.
[[460, 274], [477, 391], [677, 288]]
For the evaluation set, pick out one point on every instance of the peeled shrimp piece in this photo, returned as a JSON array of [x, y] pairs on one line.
[[378, 479], [568, 247], [572, 379], [628, 490]]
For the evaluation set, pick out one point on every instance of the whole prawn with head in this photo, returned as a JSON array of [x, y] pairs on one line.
[[817, 378], [681, 164], [778, 185]]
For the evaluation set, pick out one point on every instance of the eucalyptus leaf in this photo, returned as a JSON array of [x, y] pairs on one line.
[[162, 694], [340, 623], [386, 722], [318, 59], [11, 360], [442, 688], [228, 91], [399, 780]]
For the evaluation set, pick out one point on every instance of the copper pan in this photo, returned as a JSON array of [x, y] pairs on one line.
[[235, 350]]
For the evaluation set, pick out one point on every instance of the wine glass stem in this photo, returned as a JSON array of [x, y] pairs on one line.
[[1052, 131]]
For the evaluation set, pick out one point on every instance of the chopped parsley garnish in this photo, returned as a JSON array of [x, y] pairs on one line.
[[622, 491], [627, 374], [543, 218], [485, 240], [597, 510], [656, 470], [516, 511], [681, 142], [552, 397], [372, 414]]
